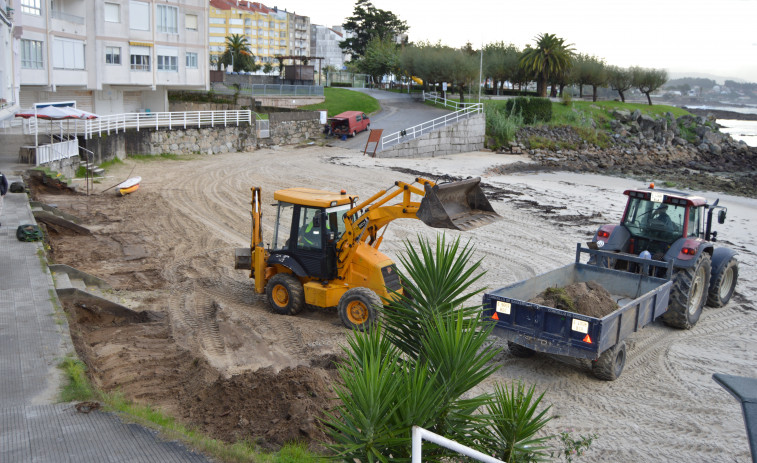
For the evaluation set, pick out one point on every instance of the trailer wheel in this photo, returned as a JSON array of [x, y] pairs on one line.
[[357, 308], [688, 294], [609, 365], [520, 351], [285, 293], [723, 284]]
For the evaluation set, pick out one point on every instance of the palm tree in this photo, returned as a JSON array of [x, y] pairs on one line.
[[550, 58], [238, 54]]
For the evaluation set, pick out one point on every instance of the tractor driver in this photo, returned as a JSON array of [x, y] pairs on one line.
[[661, 218]]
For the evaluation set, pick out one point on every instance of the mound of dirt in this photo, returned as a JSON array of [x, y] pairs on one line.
[[585, 298]]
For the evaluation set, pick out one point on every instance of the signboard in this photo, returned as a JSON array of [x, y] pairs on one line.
[[373, 137]]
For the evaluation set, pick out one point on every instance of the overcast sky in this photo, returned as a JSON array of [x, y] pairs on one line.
[[691, 37]]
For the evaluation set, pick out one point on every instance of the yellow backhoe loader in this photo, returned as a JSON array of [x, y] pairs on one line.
[[324, 251]]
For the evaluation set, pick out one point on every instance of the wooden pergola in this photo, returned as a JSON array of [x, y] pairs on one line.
[[303, 59]]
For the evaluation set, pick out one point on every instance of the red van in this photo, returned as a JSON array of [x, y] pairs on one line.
[[349, 123]]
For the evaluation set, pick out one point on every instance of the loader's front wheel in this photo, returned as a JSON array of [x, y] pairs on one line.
[[357, 308], [285, 293]]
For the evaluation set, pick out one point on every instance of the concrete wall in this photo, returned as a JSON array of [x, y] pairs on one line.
[[466, 135], [293, 127]]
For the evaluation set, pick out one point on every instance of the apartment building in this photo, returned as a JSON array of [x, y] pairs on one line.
[[271, 32], [111, 56], [9, 64], [324, 42]]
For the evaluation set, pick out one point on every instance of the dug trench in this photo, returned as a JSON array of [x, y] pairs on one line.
[[172, 358]]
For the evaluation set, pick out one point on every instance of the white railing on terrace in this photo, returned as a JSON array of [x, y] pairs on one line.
[[56, 151], [267, 90], [67, 17], [434, 124], [120, 122], [420, 434]]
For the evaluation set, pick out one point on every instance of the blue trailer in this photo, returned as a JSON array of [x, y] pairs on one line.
[[531, 328]]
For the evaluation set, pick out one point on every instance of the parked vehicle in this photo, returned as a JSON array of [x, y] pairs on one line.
[[349, 123], [531, 328]]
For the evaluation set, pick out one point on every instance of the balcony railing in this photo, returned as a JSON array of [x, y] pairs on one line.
[[67, 17]]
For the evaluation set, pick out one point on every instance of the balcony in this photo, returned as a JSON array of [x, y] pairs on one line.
[[67, 17]]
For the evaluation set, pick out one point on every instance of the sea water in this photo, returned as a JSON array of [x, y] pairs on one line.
[[739, 130]]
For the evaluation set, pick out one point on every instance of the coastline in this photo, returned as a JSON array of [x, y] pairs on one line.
[[722, 114]]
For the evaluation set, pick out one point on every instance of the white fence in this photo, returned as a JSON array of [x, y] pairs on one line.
[[420, 434], [120, 122], [421, 129], [452, 104], [57, 151]]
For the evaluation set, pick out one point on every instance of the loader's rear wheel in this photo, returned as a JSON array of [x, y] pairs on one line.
[[357, 308], [520, 351], [609, 365], [723, 284], [285, 294], [688, 295]]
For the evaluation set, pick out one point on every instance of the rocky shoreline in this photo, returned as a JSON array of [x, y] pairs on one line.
[[722, 114], [688, 152]]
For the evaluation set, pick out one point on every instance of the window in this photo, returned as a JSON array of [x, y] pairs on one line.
[[168, 63], [217, 21], [112, 55], [31, 7], [217, 30], [140, 58], [68, 53], [190, 21], [191, 60], [168, 58], [694, 219], [217, 39], [112, 13], [31, 54], [139, 16], [166, 19]]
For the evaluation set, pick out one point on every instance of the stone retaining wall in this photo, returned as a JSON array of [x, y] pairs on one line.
[[466, 135], [292, 127]]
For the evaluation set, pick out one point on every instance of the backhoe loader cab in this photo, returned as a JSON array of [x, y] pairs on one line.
[[324, 250]]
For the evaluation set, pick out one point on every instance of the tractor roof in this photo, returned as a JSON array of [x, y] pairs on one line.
[[669, 196], [311, 197]]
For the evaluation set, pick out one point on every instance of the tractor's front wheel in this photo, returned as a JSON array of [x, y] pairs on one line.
[[285, 293], [689, 293], [357, 308], [723, 284]]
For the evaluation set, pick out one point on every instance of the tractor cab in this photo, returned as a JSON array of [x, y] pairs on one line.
[[309, 223]]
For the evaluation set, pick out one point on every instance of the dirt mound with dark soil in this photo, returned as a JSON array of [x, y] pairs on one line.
[[585, 298]]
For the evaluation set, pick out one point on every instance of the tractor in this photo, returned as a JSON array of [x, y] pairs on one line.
[[324, 251], [667, 225]]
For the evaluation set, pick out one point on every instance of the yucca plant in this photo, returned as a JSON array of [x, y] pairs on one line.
[[515, 421], [437, 280]]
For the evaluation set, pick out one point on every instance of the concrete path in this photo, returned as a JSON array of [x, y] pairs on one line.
[[33, 340], [398, 111]]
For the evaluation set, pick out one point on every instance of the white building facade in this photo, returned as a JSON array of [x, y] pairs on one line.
[[9, 62], [324, 42], [111, 56]]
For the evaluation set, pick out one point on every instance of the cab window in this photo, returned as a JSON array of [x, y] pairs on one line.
[[309, 226], [695, 221]]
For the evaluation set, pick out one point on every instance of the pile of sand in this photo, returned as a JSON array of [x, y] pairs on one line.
[[585, 298]]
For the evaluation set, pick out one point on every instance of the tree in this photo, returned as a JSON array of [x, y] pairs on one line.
[[238, 54], [620, 80], [381, 58], [368, 22], [267, 68], [595, 74], [550, 58], [501, 63], [648, 80]]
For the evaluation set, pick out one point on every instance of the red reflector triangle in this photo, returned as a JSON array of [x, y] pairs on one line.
[[587, 339], [495, 316]]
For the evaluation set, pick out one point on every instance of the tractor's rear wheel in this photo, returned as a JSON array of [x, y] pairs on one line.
[[357, 308], [723, 284], [520, 351], [285, 293], [689, 293], [609, 365]]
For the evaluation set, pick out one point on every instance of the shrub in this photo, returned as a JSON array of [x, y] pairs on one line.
[[501, 126], [340, 84], [533, 110]]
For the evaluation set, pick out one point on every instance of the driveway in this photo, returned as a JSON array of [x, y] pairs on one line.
[[398, 111]]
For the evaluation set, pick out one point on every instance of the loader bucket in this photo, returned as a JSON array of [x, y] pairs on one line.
[[459, 205]]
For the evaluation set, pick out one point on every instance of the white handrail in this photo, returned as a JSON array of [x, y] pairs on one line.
[[429, 126], [120, 122], [419, 434]]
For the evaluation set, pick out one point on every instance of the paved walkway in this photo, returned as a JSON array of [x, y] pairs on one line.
[[33, 340]]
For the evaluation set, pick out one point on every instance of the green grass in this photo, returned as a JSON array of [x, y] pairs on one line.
[[110, 163], [79, 389], [339, 100]]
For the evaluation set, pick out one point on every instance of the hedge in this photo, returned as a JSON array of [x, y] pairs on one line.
[[532, 109]]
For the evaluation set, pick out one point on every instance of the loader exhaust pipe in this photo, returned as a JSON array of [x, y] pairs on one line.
[[459, 205]]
